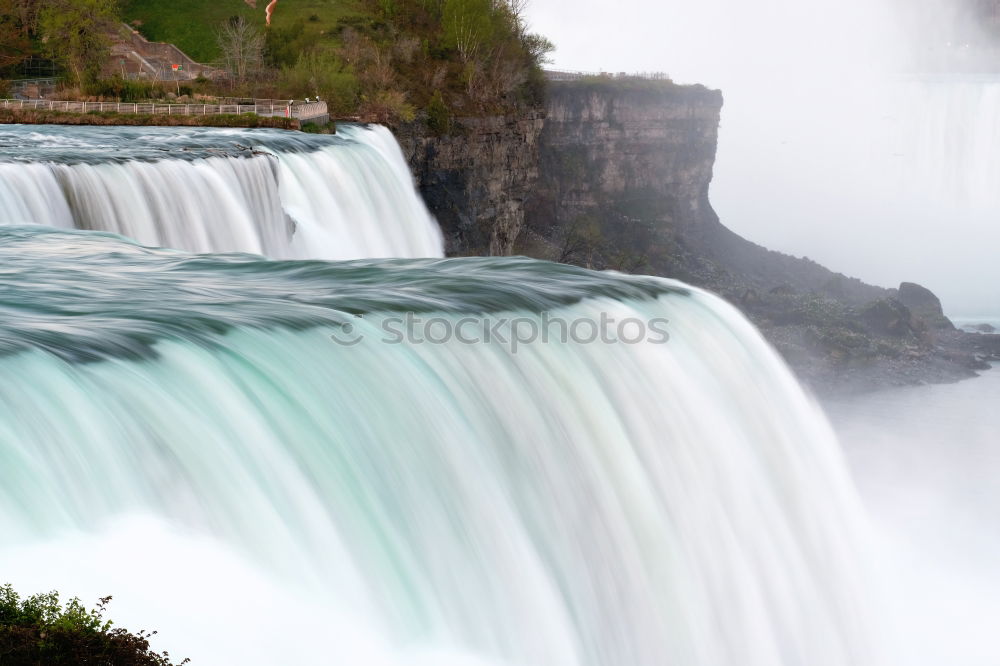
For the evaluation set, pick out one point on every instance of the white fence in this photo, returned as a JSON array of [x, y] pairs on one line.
[[260, 107]]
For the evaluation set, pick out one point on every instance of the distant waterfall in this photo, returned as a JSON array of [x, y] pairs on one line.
[[267, 192], [579, 501]]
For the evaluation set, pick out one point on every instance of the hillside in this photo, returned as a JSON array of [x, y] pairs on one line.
[[381, 60], [192, 24]]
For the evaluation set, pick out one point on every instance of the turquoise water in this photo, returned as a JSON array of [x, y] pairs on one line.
[[194, 435], [286, 195]]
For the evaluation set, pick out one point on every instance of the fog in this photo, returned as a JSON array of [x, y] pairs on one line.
[[847, 135], [926, 459]]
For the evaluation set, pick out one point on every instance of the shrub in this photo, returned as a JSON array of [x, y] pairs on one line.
[[123, 90], [318, 73], [389, 107], [438, 115], [40, 630], [316, 128], [75, 35], [479, 53]]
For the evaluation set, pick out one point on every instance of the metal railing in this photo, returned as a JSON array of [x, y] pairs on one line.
[[22, 83], [270, 108]]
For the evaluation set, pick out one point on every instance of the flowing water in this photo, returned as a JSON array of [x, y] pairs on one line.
[[251, 459], [281, 194]]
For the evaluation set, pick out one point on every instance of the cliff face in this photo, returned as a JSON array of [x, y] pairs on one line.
[[616, 176], [625, 170], [624, 149], [477, 178]]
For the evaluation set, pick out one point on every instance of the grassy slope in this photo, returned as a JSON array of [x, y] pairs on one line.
[[192, 24]]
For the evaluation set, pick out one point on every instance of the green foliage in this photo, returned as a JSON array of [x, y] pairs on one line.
[[438, 115], [316, 73], [74, 33], [387, 106], [286, 44], [41, 630], [192, 24], [317, 128], [477, 53], [380, 59], [470, 26], [122, 90]]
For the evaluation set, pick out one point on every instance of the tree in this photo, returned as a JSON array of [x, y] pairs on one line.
[[14, 43], [468, 26], [26, 12], [242, 47], [76, 34], [538, 48]]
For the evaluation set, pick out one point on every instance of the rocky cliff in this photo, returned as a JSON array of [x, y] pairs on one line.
[[615, 175], [628, 151], [477, 178]]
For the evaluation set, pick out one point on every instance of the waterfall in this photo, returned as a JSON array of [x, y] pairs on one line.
[[663, 494], [284, 195]]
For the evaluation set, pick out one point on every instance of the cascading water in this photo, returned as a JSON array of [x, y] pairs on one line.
[[281, 194], [433, 495]]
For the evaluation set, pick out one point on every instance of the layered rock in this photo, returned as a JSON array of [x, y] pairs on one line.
[[477, 178], [617, 176], [625, 168]]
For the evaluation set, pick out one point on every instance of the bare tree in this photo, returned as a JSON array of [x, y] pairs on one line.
[[518, 10], [468, 26], [242, 47]]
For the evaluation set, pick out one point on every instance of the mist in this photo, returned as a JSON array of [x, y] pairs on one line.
[[925, 460], [845, 135]]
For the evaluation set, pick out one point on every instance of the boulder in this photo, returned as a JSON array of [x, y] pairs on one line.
[[924, 305], [888, 316]]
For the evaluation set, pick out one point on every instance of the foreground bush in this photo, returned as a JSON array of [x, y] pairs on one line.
[[39, 630]]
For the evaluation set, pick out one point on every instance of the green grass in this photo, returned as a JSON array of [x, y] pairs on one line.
[[192, 24]]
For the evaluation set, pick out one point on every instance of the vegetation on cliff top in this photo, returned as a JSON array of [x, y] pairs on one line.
[[389, 59], [382, 60], [42, 630], [192, 25]]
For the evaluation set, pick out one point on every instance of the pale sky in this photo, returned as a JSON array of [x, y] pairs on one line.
[[825, 150]]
